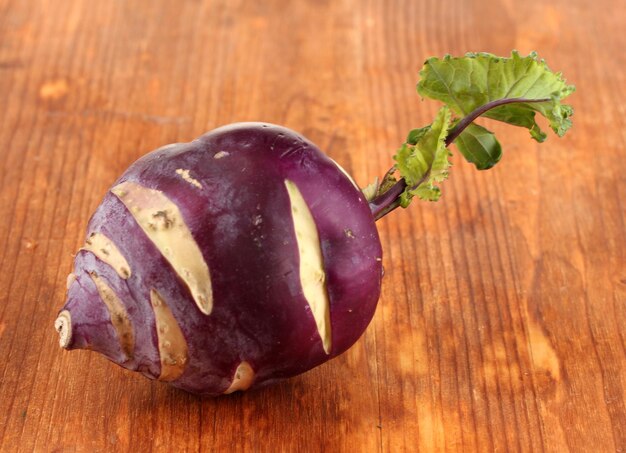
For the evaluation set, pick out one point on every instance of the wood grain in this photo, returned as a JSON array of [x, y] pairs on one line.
[[502, 319]]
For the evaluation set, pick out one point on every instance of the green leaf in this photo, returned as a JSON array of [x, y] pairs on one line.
[[425, 163], [466, 83], [416, 134], [479, 146]]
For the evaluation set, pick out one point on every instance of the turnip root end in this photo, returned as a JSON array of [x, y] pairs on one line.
[[63, 325]]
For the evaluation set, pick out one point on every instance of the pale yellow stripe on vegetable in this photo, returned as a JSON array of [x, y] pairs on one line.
[[312, 275], [244, 376], [107, 251], [343, 170], [119, 315], [187, 177], [164, 225], [172, 344], [71, 278]]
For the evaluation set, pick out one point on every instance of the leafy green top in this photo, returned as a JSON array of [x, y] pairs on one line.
[[469, 82], [512, 90], [423, 159]]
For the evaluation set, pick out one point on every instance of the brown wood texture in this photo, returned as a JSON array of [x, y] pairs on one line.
[[503, 313]]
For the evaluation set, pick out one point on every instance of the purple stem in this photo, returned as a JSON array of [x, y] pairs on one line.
[[461, 125], [390, 200]]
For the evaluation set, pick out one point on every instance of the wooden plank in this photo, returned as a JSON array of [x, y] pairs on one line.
[[501, 323]]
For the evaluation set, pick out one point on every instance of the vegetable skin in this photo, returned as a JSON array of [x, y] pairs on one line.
[[239, 214]]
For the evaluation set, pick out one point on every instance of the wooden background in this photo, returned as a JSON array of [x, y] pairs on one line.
[[502, 320]]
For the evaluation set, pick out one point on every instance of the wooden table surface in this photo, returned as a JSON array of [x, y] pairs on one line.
[[502, 320]]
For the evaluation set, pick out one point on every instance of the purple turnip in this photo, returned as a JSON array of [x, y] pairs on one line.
[[248, 256], [222, 258]]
